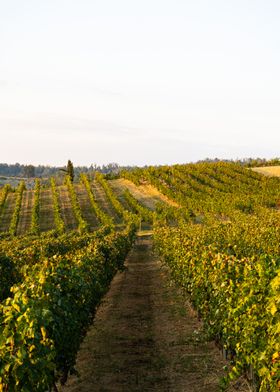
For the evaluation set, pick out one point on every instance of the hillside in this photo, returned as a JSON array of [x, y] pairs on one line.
[[216, 230], [46, 219], [228, 185]]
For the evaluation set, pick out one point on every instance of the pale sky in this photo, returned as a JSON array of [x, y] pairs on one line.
[[138, 82]]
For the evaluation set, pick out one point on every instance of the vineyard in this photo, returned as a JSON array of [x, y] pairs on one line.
[[216, 227]]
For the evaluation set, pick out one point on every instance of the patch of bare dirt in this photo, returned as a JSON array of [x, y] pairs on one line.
[[146, 337]]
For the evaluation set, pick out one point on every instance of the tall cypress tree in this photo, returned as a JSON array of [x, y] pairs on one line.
[[70, 170]]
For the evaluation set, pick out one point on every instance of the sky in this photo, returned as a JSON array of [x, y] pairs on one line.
[[138, 82]]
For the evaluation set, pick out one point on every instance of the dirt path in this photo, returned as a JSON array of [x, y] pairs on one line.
[[145, 336], [66, 208], [46, 212], [85, 205], [25, 215]]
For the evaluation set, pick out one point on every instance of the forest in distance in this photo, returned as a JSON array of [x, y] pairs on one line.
[[24, 170]]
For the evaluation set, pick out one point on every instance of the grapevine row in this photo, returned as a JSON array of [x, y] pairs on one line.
[[120, 210], [41, 327], [82, 224], [101, 215], [6, 189], [59, 223], [35, 227], [238, 298], [146, 214], [15, 217]]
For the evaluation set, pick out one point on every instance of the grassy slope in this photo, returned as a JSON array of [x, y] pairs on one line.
[[145, 194]]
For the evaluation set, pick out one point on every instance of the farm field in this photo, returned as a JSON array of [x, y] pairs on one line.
[[213, 276]]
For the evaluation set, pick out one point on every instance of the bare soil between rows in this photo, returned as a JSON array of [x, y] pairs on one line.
[[146, 337]]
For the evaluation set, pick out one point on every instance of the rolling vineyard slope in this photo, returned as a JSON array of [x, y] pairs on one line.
[[43, 322], [51, 283], [216, 226], [226, 257], [60, 208]]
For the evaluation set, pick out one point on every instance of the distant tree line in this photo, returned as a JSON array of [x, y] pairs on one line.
[[29, 171], [18, 170], [255, 162]]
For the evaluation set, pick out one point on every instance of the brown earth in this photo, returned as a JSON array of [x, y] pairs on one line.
[[146, 337], [25, 216], [46, 212], [67, 213]]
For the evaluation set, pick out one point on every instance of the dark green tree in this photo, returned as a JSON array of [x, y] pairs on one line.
[[70, 170]]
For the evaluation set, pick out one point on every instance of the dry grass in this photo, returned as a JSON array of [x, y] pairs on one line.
[[152, 191], [271, 171], [146, 194]]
